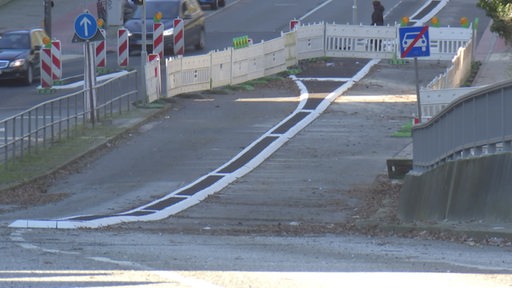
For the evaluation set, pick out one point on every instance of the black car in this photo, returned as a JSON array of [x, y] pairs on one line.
[[188, 10], [19, 54]]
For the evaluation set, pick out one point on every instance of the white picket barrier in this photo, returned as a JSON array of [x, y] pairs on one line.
[[153, 78], [247, 63], [446, 41], [274, 56], [362, 41], [233, 66], [221, 67], [310, 41], [188, 74]]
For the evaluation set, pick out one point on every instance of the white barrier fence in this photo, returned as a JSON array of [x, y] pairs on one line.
[[233, 66], [445, 88]]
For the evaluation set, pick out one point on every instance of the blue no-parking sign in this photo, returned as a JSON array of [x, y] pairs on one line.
[[414, 42], [85, 26]]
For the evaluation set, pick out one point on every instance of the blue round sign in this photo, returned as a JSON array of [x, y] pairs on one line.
[[85, 26]]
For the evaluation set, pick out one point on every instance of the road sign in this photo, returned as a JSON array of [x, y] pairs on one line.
[[414, 42], [85, 26]]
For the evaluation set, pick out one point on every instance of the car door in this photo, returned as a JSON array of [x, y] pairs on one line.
[[36, 42], [193, 18]]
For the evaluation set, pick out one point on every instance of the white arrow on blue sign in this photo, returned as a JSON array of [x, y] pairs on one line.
[[85, 26]]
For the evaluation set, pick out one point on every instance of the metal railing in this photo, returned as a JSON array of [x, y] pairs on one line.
[[61, 118], [476, 124]]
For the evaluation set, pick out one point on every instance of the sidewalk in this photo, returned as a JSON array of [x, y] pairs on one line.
[[496, 58]]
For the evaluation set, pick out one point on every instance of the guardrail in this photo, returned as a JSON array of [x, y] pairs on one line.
[[473, 125], [61, 118]]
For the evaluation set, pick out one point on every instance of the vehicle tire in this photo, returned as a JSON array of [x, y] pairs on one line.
[[202, 41], [222, 3], [28, 79], [215, 5]]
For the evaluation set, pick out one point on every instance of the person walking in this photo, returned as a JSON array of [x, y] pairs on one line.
[[378, 20], [378, 13]]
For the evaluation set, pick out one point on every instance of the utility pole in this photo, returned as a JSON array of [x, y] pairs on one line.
[[48, 4], [354, 13]]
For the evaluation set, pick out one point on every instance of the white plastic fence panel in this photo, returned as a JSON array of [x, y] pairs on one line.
[[456, 74], [248, 63], [310, 41], [153, 81], [275, 56], [188, 74], [221, 67], [290, 46], [433, 101], [362, 41], [446, 41]]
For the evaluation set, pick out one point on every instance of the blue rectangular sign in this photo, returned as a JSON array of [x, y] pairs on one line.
[[414, 42]]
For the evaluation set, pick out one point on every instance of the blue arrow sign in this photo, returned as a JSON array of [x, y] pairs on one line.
[[85, 26]]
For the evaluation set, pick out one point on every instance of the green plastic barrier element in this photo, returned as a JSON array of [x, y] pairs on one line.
[[241, 42]]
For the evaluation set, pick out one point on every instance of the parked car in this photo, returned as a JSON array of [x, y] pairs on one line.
[[214, 4], [189, 10], [19, 54]]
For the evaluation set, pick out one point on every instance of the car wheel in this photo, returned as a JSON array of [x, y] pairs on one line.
[[29, 76], [215, 5], [222, 3], [202, 41]]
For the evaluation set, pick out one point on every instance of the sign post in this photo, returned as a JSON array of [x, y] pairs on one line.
[[86, 30], [414, 43]]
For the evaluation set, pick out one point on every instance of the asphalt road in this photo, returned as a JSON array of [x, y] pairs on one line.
[[279, 226]]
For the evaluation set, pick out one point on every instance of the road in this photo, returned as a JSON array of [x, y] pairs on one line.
[[279, 226]]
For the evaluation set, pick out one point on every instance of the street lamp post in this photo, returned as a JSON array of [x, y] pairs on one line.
[[354, 13], [143, 53]]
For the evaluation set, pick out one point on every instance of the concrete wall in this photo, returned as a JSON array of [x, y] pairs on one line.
[[470, 189]]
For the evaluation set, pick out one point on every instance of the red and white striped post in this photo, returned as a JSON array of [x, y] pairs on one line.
[[46, 67], [158, 39], [101, 51], [179, 37], [56, 60], [294, 24], [122, 47]]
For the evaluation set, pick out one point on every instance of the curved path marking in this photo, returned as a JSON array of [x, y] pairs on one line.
[[244, 162]]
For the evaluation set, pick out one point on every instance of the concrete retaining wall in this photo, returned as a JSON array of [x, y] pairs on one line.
[[470, 189]]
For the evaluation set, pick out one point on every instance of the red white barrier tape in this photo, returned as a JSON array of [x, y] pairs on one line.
[[158, 39], [179, 37], [56, 60], [101, 51], [46, 67], [122, 47]]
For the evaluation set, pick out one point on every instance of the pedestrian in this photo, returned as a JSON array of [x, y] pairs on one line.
[[378, 20], [378, 13]]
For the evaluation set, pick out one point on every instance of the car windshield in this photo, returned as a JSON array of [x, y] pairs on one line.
[[14, 41], [169, 9]]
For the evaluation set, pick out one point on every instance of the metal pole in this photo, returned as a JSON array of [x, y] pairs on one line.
[[143, 54], [48, 17], [417, 88], [354, 13]]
